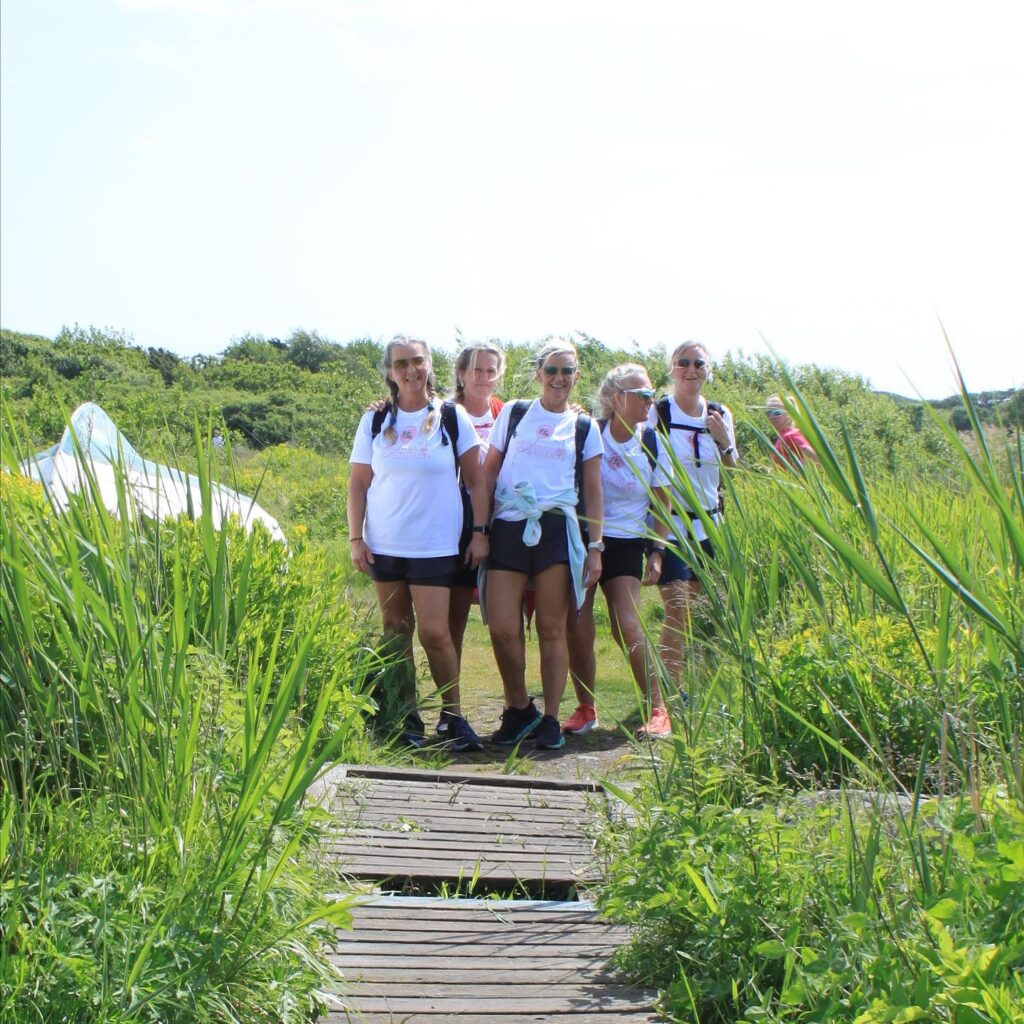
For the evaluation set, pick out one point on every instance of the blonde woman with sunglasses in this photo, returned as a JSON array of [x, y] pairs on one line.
[[404, 520], [703, 440], [635, 471], [542, 455]]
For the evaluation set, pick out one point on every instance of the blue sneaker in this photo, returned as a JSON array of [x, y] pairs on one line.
[[549, 734], [516, 725], [459, 735], [412, 734]]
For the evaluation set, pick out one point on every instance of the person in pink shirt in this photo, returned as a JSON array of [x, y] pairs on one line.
[[791, 447]]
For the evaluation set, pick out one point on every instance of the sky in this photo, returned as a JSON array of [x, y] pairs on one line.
[[840, 182]]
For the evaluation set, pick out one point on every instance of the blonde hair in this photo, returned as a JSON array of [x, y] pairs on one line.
[[555, 347], [680, 349], [433, 418], [612, 384], [466, 361]]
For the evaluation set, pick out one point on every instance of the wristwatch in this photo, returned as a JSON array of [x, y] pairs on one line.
[[596, 545], [485, 529]]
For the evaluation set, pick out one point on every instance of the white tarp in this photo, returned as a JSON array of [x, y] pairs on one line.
[[157, 491]]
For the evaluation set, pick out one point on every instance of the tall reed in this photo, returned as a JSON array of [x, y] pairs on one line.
[[158, 855]]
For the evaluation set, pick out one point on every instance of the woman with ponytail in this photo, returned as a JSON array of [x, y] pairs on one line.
[[405, 517]]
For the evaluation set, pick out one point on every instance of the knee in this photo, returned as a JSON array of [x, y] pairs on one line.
[[551, 631], [505, 634], [434, 635]]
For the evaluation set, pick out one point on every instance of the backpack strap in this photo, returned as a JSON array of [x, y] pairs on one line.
[[450, 429], [649, 443], [378, 420], [519, 409], [665, 425]]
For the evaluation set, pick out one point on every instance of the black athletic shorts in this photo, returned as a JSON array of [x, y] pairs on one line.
[[674, 569], [623, 556], [423, 572], [510, 554]]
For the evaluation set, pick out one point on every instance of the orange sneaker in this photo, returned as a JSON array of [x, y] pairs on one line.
[[582, 720], [658, 726]]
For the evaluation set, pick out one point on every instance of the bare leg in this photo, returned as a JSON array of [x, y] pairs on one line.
[[579, 634], [623, 594], [676, 598], [458, 615], [505, 591], [553, 602], [431, 605], [398, 622]]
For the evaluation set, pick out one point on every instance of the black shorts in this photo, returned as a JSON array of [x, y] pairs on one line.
[[510, 554], [463, 576], [674, 569], [422, 572], [623, 556]]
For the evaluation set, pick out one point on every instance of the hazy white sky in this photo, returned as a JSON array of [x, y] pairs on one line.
[[834, 177]]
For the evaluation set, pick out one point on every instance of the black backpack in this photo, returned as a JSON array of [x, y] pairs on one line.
[[449, 426], [665, 425], [519, 409]]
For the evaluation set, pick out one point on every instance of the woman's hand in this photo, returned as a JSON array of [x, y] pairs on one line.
[[379, 406], [361, 555], [718, 429], [592, 568], [478, 550], [652, 573]]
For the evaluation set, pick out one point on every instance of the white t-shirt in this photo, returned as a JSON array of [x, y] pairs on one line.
[[543, 451], [482, 425], [627, 477], [705, 477], [413, 504]]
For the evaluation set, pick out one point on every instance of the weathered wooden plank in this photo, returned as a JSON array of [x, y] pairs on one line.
[[498, 1017], [605, 1000], [419, 819], [472, 778]]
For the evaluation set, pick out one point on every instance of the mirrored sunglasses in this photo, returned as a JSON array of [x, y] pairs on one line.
[[775, 412], [565, 371], [403, 364], [645, 393], [697, 364]]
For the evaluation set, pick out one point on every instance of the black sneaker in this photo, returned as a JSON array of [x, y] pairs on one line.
[[442, 725], [549, 734], [516, 724], [460, 735], [412, 734]]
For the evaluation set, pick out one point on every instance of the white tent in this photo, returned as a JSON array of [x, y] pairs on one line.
[[157, 491]]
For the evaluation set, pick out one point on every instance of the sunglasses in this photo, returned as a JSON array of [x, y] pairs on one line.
[[698, 364], [403, 364], [647, 394], [565, 371], [775, 412]]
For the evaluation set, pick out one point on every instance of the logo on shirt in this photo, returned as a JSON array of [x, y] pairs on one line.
[[615, 462], [544, 431], [407, 435]]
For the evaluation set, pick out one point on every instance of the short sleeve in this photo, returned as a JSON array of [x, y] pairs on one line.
[[362, 446], [593, 445], [468, 437]]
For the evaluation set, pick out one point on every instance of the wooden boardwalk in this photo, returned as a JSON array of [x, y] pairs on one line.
[[427, 960]]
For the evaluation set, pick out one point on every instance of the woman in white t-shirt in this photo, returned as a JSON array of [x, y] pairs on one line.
[[635, 471], [405, 517], [703, 440], [542, 454]]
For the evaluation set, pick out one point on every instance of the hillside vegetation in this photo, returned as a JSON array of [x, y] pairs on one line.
[[834, 832]]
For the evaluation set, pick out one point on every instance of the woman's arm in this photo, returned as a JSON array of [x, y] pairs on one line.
[[360, 475], [721, 433], [474, 478], [660, 507], [593, 502]]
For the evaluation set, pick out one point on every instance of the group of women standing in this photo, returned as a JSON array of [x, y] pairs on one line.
[[446, 497]]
